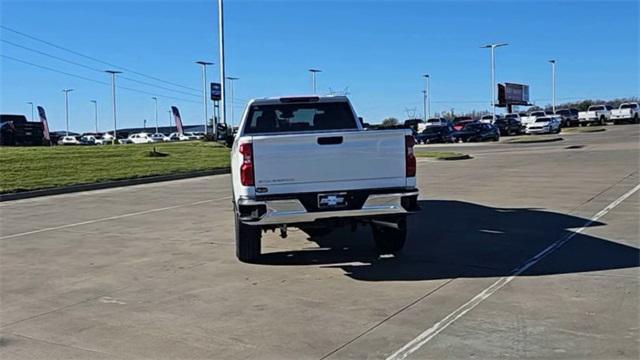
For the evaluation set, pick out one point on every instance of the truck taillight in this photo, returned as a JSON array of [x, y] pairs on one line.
[[246, 169], [410, 158]]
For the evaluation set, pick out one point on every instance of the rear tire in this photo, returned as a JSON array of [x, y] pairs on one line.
[[248, 241], [389, 240], [636, 119]]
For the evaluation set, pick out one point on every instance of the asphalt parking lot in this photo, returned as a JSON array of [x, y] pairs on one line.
[[150, 271]]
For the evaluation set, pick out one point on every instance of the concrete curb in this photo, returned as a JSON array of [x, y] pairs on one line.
[[586, 131], [535, 141], [109, 184]]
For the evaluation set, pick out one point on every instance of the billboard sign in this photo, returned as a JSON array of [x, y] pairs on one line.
[[216, 92], [513, 94]]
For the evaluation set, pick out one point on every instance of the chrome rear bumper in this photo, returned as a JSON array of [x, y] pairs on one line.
[[291, 211]]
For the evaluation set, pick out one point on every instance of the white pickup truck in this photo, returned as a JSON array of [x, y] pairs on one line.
[[532, 117], [595, 114], [626, 112], [307, 162]]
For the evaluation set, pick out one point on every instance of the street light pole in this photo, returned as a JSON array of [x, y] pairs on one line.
[[66, 107], [313, 79], [493, 74], [427, 97], [113, 96], [95, 112], [204, 90], [553, 85], [156, 101], [222, 69], [33, 118], [231, 80]]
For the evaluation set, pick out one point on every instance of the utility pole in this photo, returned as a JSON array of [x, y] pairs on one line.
[[231, 80], [221, 51], [204, 90], [156, 101], [66, 107], [493, 74], [553, 85], [427, 97], [113, 97], [95, 113], [33, 117], [313, 79]]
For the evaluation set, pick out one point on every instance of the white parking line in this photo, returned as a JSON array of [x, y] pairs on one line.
[[111, 218], [433, 331]]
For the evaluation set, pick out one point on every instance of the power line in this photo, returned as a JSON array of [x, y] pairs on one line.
[[94, 69], [93, 80], [93, 58]]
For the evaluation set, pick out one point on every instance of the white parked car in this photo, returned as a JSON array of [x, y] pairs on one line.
[[626, 112], [89, 140], [532, 117], [140, 138], [488, 119], [595, 114], [544, 125], [68, 140], [307, 162], [107, 139], [195, 135], [179, 137], [514, 116], [437, 121], [159, 137]]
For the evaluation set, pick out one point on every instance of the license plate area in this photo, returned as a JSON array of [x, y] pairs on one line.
[[332, 200]]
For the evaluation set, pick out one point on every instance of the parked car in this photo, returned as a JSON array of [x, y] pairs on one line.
[[159, 137], [509, 126], [488, 119], [140, 138], [307, 162], [195, 135], [436, 134], [68, 140], [460, 121], [626, 112], [477, 131], [179, 137], [417, 125], [437, 121], [532, 117], [569, 117], [595, 114], [88, 140], [544, 125]]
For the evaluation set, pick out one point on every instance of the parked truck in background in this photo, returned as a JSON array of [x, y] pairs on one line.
[[307, 162], [627, 112], [595, 114]]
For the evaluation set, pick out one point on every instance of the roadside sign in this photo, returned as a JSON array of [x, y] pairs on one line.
[[216, 92]]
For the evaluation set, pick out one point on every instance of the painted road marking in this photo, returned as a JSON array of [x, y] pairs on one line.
[[111, 218], [437, 328]]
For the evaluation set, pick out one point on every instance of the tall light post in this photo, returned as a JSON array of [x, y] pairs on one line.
[[231, 80], [553, 85], [95, 113], [156, 100], [313, 79], [221, 52], [493, 74], [66, 107], [33, 117], [113, 97], [427, 97], [204, 91]]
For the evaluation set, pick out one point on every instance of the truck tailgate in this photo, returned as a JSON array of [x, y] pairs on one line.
[[329, 161]]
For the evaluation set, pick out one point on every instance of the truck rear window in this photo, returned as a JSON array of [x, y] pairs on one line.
[[289, 117]]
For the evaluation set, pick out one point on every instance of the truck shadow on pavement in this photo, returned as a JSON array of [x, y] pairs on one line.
[[449, 239]]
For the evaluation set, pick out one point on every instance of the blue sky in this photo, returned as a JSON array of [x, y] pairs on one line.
[[378, 49]]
